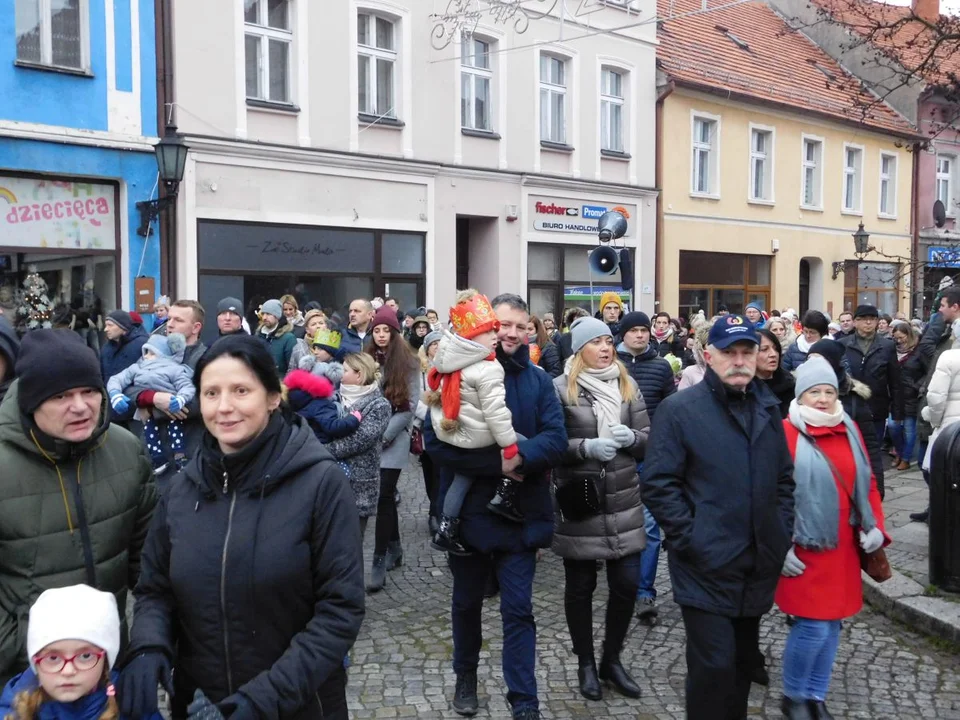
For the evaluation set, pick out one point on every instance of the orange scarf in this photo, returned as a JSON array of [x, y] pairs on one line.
[[450, 392]]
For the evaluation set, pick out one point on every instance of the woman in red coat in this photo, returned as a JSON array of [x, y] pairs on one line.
[[837, 512]]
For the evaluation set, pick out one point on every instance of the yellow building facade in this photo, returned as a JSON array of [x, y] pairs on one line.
[[759, 204]]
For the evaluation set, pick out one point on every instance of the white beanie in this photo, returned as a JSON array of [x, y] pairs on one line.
[[74, 613]]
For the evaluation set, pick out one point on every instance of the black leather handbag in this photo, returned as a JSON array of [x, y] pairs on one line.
[[581, 498]]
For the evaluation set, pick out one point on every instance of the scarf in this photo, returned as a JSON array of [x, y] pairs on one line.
[[663, 335], [803, 344], [816, 496], [350, 394], [449, 386], [602, 388]]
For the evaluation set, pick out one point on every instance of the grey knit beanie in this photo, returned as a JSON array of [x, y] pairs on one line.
[[815, 371], [586, 329], [430, 338], [272, 307]]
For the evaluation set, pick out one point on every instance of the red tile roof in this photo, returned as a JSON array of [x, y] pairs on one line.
[[778, 65], [932, 51]]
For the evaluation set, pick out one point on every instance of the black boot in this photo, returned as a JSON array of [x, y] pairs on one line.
[[433, 524], [613, 674], [587, 674], [465, 696], [504, 502], [447, 538], [378, 574], [796, 709], [759, 674], [921, 517], [818, 710], [394, 555]]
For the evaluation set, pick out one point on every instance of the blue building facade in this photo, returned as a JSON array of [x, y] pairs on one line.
[[78, 120]]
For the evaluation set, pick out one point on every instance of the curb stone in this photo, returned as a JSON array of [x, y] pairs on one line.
[[903, 599]]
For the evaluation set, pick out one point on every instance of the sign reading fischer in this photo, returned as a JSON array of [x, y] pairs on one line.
[[571, 216]]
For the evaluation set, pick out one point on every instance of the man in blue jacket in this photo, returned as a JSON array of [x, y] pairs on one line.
[[124, 341], [718, 477], [509, 549]]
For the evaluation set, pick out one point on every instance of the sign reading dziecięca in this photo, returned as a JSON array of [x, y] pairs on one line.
[[41, 213]]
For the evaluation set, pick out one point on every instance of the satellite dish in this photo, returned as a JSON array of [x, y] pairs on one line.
[[939, 214]]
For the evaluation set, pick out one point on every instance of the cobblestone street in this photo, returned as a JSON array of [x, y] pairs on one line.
[[401, 662]]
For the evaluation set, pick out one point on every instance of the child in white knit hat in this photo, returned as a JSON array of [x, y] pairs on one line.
[[73, 639]]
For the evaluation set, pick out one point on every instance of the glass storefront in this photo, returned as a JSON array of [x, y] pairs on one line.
[[866, 283], [558, 279], [709, 280]]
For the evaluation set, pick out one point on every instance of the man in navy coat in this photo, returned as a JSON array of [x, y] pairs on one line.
[[508, 549]]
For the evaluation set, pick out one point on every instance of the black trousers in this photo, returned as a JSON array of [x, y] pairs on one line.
[[623, 578], [431, 482], [388, 524], [721, 651]]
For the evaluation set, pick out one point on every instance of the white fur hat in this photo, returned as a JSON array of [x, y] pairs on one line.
[[74, 613]]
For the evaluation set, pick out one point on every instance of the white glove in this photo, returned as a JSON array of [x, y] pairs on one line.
[[792, 567], [871, 541], [925, 413], [623, 436], [602, 449]]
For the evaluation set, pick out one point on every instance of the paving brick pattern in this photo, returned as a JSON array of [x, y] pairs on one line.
[[401, 662]]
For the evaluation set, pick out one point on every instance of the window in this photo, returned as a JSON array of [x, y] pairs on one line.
[[611, 110], [52, 32], [703, 177], [812, 173], [852, 179], [558, 278], [871, 284], [553, 98], [709, 280], [476, 78], [377, 60], [267, 46], [888, 185], [945, 166], [761, 165]]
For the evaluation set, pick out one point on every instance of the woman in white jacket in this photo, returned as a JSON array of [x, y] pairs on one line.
[[943, 393]]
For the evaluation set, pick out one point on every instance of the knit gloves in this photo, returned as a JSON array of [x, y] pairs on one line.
[[119, 402], [176, 403], [871, 541], [792, 566], [235, 707], [623, 436], [137, 686], [602, 449]]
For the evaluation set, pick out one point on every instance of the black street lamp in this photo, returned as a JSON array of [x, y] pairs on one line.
[[171, 155], [861, 248]]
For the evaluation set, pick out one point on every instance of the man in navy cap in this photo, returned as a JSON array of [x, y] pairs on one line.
[[718, 478]]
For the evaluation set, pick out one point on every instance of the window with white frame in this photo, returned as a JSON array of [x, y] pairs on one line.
[[52, 32], [945, 168], [476, 81], [553, 99], [888, 184], [812, 173], [703, 178], [376, 64], [852, 179], [267, 39], [611, 110], [761, 164]]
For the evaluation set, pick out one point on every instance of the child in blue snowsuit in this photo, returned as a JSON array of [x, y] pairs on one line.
[[312, 397]]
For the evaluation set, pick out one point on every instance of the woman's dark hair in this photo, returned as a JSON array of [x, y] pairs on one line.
[[397, 362], [248, 350], [774, 340], [816, 320], [887, 318], [662, 314], [540, 331], [774, 313]]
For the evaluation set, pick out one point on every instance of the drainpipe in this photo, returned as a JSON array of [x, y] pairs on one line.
[[915, 287], [166, 115], [658, 183]]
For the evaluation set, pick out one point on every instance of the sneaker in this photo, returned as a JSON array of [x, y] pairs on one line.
[[647, 610], [465, 696], [160, 467]]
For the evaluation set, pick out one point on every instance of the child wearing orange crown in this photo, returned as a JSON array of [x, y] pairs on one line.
[[470, 409]]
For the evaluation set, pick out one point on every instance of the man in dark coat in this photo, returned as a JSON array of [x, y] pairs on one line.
[[509, 548], [718, 477], [124, 341], [872, 359], [230, 317]]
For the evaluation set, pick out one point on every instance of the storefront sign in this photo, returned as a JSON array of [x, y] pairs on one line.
[[944, 256], [572, 216], [57, 214]]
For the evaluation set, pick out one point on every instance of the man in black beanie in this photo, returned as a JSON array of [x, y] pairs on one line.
[[124, 342], [78, 492], [230, 317]]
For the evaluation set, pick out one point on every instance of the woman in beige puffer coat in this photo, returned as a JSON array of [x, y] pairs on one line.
[[607, 428]]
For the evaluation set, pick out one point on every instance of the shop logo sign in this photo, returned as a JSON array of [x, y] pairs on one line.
[[551, 209], [592, 212], [52, 213]]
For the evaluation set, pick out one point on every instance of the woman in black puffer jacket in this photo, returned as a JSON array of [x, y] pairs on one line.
[[911, 378], [251, 583]]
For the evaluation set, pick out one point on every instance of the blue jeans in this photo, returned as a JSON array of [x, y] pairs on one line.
[[904, 437], [808, 658], [515, 573], [649, 558]]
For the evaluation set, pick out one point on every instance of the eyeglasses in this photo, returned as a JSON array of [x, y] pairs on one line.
[[53, 663]]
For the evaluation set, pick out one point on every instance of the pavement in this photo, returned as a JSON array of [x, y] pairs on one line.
[[402, 659]]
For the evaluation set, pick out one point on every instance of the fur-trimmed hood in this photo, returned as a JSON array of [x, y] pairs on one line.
[[316, 386]]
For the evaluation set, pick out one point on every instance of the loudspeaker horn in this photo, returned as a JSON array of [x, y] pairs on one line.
[[603, 260], [611, 225]]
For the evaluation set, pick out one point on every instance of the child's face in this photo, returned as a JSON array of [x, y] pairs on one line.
[[320, 354], [149, 355], [71, 682], [350, 376], [487, 339]]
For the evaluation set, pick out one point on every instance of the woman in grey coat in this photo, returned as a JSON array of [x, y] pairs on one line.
[[607, 428]]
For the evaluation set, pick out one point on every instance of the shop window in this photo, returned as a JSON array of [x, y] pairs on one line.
[[871, 284], [53, 32], [376, 65], [268, 39], [559, 278], [476, 84], [709, 280]]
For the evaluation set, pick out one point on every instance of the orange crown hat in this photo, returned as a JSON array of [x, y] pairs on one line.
[[473, 317]]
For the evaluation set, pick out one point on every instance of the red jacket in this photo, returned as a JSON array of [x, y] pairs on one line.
[[830, 588]]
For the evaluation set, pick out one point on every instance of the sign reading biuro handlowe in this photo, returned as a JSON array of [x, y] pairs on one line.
[[567, 215], [41, 213]]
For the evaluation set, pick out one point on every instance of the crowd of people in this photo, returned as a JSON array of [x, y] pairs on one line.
[[229, 489]]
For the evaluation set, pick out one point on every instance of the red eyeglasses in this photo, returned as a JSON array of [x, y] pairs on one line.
[[53, 663]]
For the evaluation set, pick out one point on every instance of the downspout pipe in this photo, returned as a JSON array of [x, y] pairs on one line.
[[658, 182]]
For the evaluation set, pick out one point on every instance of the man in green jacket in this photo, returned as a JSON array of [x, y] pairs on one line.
[[76, 493], [276, 333]]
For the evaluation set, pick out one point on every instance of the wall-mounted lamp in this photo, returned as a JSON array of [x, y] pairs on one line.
[[861, 248], [171, 155]]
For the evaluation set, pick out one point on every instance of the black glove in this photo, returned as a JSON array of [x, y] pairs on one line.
[[137, 687], [236, 707]]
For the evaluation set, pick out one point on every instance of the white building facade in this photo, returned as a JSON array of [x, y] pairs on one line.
[[374, 147]]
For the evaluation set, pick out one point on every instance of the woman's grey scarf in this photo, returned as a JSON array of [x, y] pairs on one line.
[[816, 498]]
